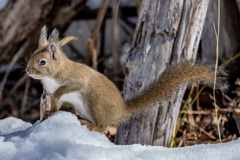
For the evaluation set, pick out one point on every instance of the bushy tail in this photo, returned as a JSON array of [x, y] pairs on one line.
[[172, 80]]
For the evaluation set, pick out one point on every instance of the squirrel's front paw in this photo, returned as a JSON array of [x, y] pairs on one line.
[[47, 115]]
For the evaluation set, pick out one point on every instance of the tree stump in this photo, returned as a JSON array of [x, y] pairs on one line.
[[167, 32]]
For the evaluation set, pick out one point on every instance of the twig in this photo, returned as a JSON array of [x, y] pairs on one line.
[[197, 112], [174, 130], [221, 109], [115, 35], [118, 79], [186, 114], [185, 104], [227, 97], [184, 138], [216, 66], [205, 132], [100, 16], [93, 40], [14, 60], [236, 119], [123, 26], [190, 116], [225, 64], [24, 100], [19, 83], [179, 124], [115, 23], [180, 143], [15, 87]]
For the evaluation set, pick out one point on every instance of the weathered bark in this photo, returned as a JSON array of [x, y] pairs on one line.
[[22, 20], [167, 31]]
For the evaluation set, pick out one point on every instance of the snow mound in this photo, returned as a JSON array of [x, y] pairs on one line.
[[7, 126], [62, 137]]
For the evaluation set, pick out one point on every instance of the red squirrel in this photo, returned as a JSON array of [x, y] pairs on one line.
[[94, 96]]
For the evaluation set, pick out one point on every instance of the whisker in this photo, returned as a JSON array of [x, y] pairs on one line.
[[23, 64]]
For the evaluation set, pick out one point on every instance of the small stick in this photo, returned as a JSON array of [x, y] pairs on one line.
[[221, 109], [24, 100], [93, 40], [216, 66], [184, 138], [225, 64], [205, 132], [15, 87], [190, 116], [14, 60], [196, 112], [180, 143], [18, 84], [115, 35]]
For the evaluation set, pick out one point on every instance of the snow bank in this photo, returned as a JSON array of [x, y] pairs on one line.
[[62, 137]]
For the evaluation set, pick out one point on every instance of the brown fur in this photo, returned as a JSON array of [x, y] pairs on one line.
[[172, 80], [104, 102]]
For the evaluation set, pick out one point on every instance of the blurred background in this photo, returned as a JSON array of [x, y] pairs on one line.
[[93, 22]]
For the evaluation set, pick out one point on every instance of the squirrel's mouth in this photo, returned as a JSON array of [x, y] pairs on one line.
[[35, 76]]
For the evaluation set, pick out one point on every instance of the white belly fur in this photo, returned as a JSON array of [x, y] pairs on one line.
[[73, 98], [50, 84]]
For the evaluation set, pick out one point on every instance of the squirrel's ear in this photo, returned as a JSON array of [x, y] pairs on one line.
[[54, 51], [43, 37], [67, 40], [54, 45], [54, 36]]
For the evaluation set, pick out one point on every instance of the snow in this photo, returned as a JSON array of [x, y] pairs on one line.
[[62, 137], [7, 126]]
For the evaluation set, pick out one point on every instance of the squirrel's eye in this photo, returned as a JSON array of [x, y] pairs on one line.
[[42, 62]]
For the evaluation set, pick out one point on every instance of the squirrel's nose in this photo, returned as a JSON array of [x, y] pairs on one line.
[[28, 71]]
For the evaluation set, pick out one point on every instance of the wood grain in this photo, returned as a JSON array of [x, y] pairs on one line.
[[167, 32]]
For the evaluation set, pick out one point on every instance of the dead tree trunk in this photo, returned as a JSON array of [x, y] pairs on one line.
[[22, 20], [167, 31]]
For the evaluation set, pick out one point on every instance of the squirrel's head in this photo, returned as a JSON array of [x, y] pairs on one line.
[[47, 60]]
